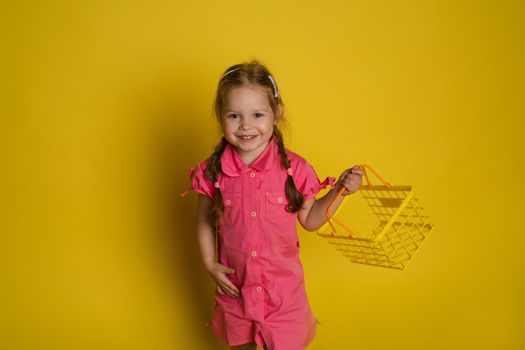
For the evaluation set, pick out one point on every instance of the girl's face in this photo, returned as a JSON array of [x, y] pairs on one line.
[[247, 120]]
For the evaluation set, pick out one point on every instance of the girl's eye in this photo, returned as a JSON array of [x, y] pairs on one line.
[[258, 115], [233, 116]]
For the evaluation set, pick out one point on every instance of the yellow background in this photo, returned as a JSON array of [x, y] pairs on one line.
[[106, 104]]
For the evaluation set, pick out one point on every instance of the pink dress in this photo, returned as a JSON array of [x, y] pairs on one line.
[[259, 240]]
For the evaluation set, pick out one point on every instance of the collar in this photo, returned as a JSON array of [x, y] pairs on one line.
[[232, 164]]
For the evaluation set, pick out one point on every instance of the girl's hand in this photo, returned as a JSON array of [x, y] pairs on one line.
[[218, 272], [350, 179]]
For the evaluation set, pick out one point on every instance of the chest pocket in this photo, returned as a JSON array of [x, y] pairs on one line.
[[276, 203], [232, 207]]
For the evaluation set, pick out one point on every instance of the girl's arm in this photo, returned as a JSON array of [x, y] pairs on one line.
[[206, 237], [205, 231], [312, 214]]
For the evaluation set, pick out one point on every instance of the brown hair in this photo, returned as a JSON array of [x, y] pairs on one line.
[[250, 73]]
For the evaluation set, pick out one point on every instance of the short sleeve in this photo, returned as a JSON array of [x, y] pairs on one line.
[[199, 182], [307, 181]]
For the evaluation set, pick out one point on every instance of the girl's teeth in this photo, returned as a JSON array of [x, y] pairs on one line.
[[247, 137]]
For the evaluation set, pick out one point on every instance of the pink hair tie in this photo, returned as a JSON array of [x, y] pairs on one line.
[[289, 171], [329, 181], [216, 184]]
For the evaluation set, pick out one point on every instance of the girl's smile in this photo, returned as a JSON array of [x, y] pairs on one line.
[[247, 138]]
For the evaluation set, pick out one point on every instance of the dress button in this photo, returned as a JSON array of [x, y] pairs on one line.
[[259, 288], [254, 253], [280, 199], [228, 202], [252, 174], [254, 213]]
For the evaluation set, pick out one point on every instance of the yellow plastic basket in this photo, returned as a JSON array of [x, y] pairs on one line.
[[388, 224]]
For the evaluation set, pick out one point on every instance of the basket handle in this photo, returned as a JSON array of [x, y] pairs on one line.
[[329, 217]]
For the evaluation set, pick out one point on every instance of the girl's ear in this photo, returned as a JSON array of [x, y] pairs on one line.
[[278, 115]]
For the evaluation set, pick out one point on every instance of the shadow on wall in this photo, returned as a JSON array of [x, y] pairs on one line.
[[173, 148]]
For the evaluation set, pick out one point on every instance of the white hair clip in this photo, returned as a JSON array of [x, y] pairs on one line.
[[228, 72], [274, 86]]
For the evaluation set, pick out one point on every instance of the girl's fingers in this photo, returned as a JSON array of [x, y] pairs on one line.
[[229, 288], [355, 171], [230, 292], [224, 290], [226, 269], [351, 179], [358, 171], [351, 184]]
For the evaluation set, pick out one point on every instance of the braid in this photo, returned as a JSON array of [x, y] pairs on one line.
[[295, 198], [212, 174]]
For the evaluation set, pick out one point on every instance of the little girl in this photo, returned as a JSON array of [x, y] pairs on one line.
[[252, 191]]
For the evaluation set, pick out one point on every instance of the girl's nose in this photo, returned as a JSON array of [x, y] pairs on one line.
[[244, 124]]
